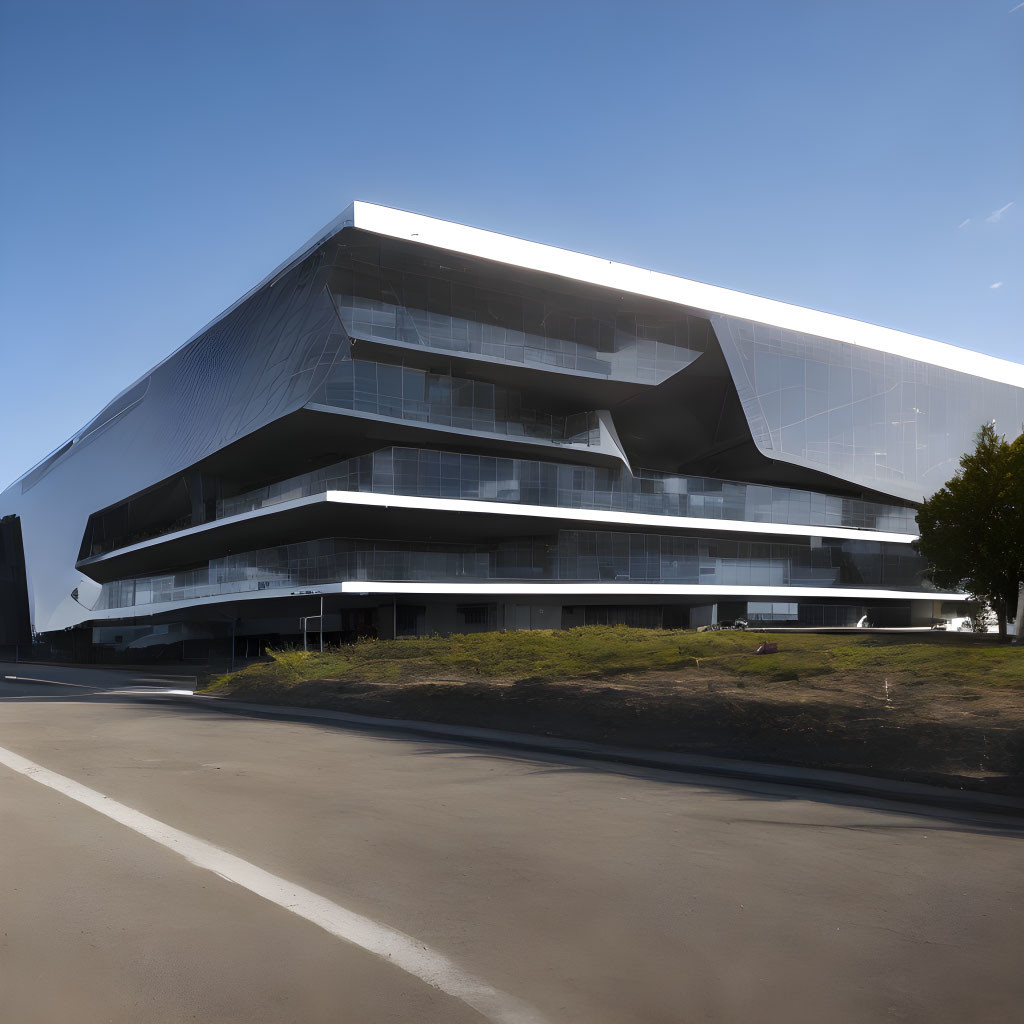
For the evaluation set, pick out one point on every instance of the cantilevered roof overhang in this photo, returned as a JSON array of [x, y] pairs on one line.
[[705, 298], [549, 259]]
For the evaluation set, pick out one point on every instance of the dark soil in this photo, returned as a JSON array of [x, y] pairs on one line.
[[908, 731]]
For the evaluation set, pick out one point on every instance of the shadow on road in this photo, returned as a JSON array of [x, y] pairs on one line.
[[539, 761]]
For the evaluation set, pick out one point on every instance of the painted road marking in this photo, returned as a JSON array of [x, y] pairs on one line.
[[50, 682], [146, 691], [394, 946], [143, 691], [87, 686]]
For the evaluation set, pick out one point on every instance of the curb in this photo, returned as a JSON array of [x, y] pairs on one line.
[[694, 764]]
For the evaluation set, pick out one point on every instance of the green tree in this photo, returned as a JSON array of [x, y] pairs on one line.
[[972, 530]]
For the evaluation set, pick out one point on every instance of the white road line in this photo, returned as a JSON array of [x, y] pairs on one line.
[[151, 691], [394, 946], [37, 697], [143, 690], [50, 682]]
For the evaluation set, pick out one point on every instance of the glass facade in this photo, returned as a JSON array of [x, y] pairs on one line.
[[567, 555], [679, 412], [388, 294], [432, 474], [404, 393], [884, 422], [773, 611]]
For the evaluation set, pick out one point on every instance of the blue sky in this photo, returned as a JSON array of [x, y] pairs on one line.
[[160, 157]]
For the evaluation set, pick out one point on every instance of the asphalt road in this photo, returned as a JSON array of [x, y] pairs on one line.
[[567, 890]]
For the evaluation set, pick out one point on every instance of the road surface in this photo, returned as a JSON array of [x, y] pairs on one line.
[[460, 883]]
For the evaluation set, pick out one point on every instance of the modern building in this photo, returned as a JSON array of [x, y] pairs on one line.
[[423, 427]]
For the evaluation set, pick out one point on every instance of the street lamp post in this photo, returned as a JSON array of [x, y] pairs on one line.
[[304, 620]]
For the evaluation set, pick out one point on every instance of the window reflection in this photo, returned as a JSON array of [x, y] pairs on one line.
[[405, 393], [566, 555], [386, 293], [885, 422], [432, 474]]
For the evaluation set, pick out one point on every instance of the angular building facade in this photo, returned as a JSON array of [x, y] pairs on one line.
[[415, 427]]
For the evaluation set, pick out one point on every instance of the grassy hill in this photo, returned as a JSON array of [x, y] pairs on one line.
[[601, 652], [935, 707]]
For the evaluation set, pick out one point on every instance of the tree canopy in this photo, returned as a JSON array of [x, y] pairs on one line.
[[972, 530]]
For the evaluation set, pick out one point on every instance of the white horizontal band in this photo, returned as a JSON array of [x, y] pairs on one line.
[[507, 508], [588, 515], [712, 591], [549, 589]]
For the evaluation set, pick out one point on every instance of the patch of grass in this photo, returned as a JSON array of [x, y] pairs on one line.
[[615, 652], [927, 707]]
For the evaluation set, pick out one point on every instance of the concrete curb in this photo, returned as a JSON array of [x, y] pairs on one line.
[[695, 764]]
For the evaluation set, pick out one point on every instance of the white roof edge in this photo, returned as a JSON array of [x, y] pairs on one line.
[[344, 219], [549, 259], [517, 252]]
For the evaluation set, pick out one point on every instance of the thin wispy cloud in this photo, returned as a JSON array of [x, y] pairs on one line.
[[967, 220], [996, 215], [999, 284], [1017, 8]]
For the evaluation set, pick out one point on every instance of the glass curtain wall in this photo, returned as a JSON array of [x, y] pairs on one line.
[[885, 422], [393, 292], [568, 555], [401, 392], [596, 347], [432, 474]]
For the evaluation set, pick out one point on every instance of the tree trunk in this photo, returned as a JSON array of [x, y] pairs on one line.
[[1001, 618]]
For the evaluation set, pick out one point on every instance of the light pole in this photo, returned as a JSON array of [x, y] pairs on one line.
[[304, 620]]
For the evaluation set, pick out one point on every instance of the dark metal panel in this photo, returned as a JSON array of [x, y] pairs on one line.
[[15, 623]]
